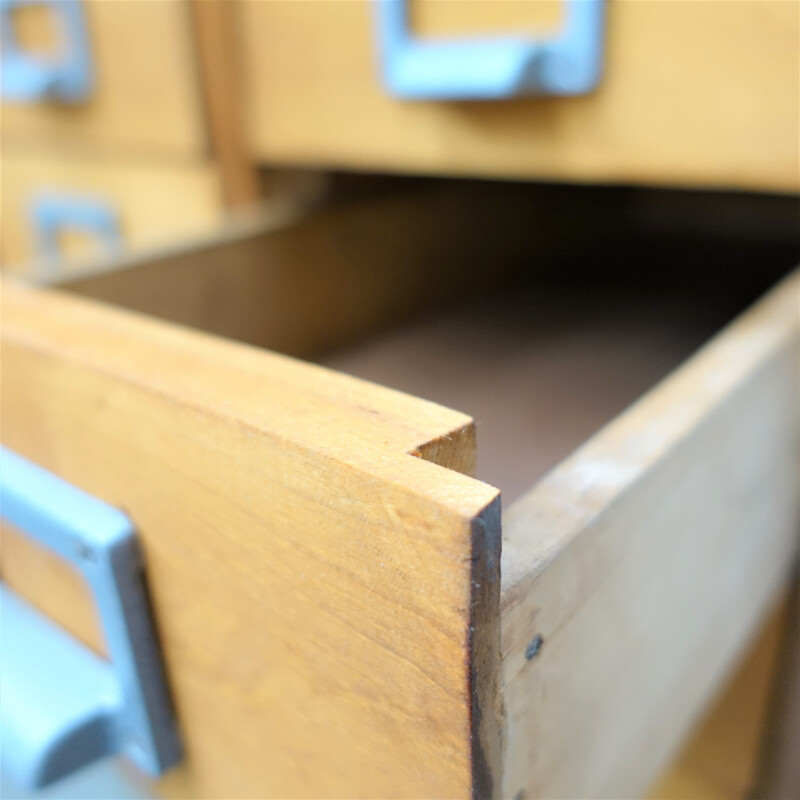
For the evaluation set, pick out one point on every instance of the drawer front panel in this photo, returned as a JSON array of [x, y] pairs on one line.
[[148, 203], [643, 564], [321, 594], [145, 97], [696, 94]]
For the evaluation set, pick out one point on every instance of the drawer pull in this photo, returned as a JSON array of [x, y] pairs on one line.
[[28, 77], [64, 706], [52, 214], [491, 69]]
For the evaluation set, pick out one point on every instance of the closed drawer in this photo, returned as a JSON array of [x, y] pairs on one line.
[[326, 571], [693, 94], [139, 203], [145, 97]]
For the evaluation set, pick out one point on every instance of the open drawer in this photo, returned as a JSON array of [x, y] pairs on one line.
[[338, 610]]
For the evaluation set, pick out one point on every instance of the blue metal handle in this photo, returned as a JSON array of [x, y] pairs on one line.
[[491, 69], [53, 213], [62, 705], [28, 77]]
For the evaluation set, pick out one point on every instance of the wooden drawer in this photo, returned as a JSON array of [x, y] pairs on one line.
[[146, 98], [339, 612], [692, 94], [153, 203]]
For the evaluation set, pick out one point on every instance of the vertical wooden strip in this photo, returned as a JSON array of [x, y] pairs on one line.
[[217, 49]]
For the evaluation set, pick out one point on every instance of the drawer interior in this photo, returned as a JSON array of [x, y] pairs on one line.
[[540, 369], [541, 311]]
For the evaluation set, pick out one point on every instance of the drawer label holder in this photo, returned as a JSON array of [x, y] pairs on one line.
[[415, 68], [52, 213], [31, 78], [62, 706]]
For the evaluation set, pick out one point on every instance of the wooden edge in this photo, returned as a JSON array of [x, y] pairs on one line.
[[69, 364], [378, 418], [486, 706]]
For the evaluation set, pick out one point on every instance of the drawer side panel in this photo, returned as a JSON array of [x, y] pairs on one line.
[[646, 562]]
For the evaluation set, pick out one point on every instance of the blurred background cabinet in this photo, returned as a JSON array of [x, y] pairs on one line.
[[199, 109], [697, 94], [135, 142], [151, 202], [196, 97]]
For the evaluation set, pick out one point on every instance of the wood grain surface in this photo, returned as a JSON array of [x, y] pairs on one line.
[[327, 602]]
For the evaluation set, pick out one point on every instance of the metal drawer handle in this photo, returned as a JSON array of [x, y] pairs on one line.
[[63, 706], [28, 77], [491, 69], [53, 213]]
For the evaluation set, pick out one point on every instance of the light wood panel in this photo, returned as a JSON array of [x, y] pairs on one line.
[[647, 560], [327, 602], [693, 94], [146, 98], [156, 202]]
